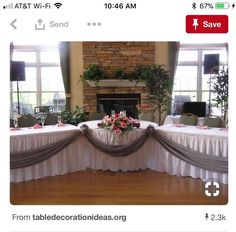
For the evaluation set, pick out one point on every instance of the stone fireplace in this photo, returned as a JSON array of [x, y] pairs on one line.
[[119, 102], [105, 99], [113, 56]]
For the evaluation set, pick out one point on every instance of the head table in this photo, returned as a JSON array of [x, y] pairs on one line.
[[80, 154]]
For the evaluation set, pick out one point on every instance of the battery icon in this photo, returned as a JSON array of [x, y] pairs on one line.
[[221, 5]]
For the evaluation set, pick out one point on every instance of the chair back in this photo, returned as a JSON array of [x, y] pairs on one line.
[[43, 109], [189, 119], [97, 116], [11, 122], [26, 121], [213, 121], [51, 119]]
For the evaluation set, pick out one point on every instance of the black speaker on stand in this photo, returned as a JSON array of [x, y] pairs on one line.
[[17, 73], [211, 66]]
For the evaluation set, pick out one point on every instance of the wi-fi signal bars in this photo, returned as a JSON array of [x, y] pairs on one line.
[[58, 5], [10, 6]]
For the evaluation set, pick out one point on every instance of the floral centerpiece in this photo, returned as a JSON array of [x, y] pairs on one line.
[[119, 123]]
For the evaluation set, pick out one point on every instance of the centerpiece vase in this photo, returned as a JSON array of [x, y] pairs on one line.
[[146, 116]]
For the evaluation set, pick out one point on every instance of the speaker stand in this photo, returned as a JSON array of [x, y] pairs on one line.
[[18, 97], [209, 103]]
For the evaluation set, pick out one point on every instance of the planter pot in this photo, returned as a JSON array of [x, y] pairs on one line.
[[146, 116]]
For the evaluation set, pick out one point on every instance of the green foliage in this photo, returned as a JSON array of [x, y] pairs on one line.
[[220, 87], [159, 82], [75, 117], [93, 73], [156, 77], [120, 74]]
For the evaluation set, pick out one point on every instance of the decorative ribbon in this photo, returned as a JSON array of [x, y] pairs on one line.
[[117, 151], [198, 159], [22, 159], [201, 160]]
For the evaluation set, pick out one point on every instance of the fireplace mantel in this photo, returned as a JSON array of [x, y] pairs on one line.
[[115, 83]]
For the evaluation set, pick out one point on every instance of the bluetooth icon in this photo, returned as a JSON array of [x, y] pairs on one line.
[[194, 5]]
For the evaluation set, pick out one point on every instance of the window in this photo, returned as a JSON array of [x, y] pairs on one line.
[[43, 85], [190, 81]]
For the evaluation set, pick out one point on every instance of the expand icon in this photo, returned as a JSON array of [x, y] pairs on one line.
[[212, 188]]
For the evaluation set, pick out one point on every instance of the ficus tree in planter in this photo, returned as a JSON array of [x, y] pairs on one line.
[[220, 88], [159, 82]]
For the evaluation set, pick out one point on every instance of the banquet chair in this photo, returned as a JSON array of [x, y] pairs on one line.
[[43, 109], [213, 121], [11, 122], [51, 119], [189, 119], [97, 115], [26, 121]]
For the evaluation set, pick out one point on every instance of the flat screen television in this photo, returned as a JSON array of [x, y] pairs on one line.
[[197, 108]]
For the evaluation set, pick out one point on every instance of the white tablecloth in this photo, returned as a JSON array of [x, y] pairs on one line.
[[114, 140], [29, 138], [82, 155], [210, 141], [172, 119]]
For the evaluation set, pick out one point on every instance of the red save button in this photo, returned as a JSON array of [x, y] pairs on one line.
[[207, 23]]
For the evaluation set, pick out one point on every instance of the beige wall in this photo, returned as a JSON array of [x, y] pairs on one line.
[[76, 61], [76, 58], [162, 53]]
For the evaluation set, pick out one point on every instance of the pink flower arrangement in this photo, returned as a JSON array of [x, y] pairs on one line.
[[119, 123], [144, 107]]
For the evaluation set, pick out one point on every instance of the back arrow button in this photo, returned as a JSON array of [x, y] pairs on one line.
[[13, 24]]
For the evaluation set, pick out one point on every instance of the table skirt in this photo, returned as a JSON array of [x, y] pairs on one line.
[[81, 155]]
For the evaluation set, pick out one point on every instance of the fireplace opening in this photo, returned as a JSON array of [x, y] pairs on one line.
[[119, 102]]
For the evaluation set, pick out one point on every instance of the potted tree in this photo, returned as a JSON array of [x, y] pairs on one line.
[[220, 88], [146, 111], [159, 82]]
